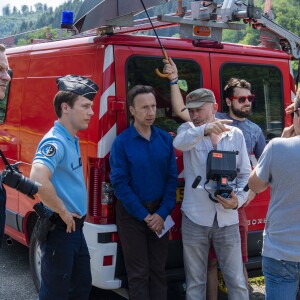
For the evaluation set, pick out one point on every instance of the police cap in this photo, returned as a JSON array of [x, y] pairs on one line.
[[79, 85]]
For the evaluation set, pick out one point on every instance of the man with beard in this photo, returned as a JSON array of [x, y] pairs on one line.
[[238, 97], [4, 80]]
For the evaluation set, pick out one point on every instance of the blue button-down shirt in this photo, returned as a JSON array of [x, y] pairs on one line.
[[144, 171]]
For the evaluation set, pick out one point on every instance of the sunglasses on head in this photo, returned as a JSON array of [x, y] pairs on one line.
[[242, 99]]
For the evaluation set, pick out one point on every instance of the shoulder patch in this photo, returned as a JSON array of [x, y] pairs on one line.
[[48, 150]]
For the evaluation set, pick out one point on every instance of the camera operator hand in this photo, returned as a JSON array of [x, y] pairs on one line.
[[217, 127], [288, 132], [290, 109], [229, 203], [250, 197]]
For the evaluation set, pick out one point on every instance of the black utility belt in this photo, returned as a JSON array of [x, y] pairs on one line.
[[152, 207], [45, 225], [49, 220]]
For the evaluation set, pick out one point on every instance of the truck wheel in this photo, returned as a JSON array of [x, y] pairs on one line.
[[35, 259]]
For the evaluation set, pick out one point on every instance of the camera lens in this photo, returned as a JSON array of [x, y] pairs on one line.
[[225, 195], [27, 187]]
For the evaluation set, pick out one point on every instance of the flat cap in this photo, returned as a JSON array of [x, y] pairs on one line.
[[198, 97], [78, 85]]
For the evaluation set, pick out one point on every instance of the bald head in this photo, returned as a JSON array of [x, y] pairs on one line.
[[4, 76]]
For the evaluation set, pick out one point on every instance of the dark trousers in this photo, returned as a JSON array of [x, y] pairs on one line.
[[145, 257], [65, 267], [2, 212]]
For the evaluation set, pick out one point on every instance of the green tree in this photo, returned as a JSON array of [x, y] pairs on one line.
[[287, 15], [15, 11], [24, 9], [39, 7], [6, 10], [23, 26]]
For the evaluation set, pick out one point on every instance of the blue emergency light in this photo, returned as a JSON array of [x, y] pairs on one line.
[[67, 20]]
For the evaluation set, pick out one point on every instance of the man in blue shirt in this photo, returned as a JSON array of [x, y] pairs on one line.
[[4, 80], [65, 266], [144, 177]]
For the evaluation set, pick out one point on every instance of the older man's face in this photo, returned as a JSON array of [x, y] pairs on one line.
[[4, 76]]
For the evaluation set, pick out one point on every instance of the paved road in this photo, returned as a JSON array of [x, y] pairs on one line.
[[15, 279], [16, 282]]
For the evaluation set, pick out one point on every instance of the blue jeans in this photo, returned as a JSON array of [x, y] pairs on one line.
[[196, 243], [281, 278]]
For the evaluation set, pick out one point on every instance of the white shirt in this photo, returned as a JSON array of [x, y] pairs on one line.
[[195, 146]]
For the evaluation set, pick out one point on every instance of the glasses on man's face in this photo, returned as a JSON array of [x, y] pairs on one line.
[[295, 111], [242, 99]]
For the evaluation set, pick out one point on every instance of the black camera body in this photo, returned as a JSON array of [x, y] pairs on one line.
[[221, 167]]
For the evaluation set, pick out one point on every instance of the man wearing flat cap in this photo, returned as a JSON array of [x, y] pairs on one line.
[[209, 218], [65, 266]]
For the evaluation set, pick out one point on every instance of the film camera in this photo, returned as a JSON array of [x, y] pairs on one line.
[[13, 178], [221, 167]]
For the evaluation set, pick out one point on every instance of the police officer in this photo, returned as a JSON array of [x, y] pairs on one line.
[[4, 80], [65, 265]]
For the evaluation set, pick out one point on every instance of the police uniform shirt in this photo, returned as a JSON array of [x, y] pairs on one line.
[[60, 152]]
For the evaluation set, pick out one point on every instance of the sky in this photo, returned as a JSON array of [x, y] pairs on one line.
[[19, 3]]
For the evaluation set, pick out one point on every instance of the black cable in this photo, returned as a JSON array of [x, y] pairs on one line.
[[209, 194]]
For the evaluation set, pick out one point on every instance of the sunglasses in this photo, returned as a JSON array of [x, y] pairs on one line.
[[295, 111], [242, 99]]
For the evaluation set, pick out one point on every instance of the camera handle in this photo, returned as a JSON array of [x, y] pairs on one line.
[[195, 184], [209, 194], [7, 164]]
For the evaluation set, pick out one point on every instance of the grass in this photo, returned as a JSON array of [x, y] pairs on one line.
[[258, 281]]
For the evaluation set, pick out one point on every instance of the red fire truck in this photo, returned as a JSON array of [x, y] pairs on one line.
[[118, 61]]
